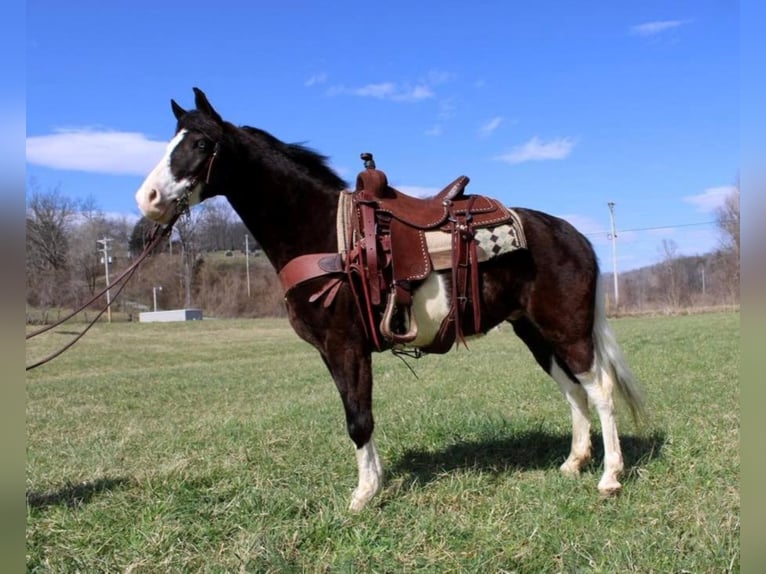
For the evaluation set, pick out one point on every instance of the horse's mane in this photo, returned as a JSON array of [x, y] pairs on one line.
[[313, 162]]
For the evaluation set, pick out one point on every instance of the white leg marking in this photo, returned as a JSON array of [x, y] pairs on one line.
[[370, 476], [598, 384], [577, 398]]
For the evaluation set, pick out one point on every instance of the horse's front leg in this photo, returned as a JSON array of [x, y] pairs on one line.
[[351, 370]]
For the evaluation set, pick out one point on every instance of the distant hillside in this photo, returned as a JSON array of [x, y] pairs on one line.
[[677, 283]]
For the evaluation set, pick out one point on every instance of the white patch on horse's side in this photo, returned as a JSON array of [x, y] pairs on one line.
[[430, 306], [370, 476], [161, 181]]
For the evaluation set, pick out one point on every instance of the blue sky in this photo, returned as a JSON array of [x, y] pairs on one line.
[[556, 106]]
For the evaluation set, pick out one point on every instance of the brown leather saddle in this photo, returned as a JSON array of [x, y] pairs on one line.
[[384, 257], [390, 254]]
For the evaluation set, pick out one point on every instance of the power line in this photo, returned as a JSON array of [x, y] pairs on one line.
[[607, 232]]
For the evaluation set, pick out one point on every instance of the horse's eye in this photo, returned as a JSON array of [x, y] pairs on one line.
[[202, 144]]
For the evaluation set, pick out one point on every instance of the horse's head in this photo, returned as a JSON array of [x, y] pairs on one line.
[[185, 175]]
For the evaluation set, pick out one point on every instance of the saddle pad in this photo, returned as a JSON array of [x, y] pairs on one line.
[[345, 220], [492, 241]]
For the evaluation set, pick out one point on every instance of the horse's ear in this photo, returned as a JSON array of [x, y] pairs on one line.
[[178, 111], [200, 100]]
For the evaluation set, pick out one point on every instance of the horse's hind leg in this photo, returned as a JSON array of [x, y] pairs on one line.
[[599, 386], [577, 398], [573, 391], [596, 383], [583, 382]]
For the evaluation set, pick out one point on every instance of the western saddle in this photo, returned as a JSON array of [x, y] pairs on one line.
[[385, 257]]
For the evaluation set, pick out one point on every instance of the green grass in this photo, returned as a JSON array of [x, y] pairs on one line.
[[220, 446]]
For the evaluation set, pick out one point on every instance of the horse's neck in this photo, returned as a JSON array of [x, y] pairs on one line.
[[288, 219]]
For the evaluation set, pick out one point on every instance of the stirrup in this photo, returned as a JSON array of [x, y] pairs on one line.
[[385, 323]]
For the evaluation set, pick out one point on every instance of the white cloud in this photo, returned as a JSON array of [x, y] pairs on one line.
[[437, 77], [489, 127], [656, 27], [447, 108], [89, 150], [387, 91], [536, 150], [320, 78], [418, 191], [397, 91], [711, 198], [382, 90], [421, 92], [435, 131]]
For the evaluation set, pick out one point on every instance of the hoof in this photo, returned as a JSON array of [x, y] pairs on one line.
[[360, 500], [572, 465], [569, 469], [609, 489]]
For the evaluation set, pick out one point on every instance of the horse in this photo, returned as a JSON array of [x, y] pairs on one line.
[[287, 196]]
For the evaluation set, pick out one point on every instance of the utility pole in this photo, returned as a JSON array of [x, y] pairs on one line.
[[247, 263], [614, 255], [105, 249], [154, 296]]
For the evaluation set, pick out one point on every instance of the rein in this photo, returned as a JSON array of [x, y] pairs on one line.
[[158, 234]]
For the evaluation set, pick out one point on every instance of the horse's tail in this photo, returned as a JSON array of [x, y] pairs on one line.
[[609, 357]]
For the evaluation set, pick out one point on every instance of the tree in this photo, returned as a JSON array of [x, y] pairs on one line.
[[186, 227], [728, 223], [49, 215], [85, 258], [49, 218], [674, 279], [727, 220]]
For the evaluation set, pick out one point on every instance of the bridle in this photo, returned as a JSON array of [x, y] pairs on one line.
[[182, 202], [159, 233]]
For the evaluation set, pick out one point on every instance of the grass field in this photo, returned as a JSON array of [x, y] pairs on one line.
[[220, 446]]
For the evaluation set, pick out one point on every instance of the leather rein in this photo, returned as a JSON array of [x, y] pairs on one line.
[[159, 233]]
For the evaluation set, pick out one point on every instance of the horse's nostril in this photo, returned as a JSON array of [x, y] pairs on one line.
[[153, 195]]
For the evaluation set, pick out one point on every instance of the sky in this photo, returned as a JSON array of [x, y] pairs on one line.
[[561, 106]]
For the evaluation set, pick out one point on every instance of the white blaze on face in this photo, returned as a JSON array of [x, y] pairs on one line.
[[157, 196]]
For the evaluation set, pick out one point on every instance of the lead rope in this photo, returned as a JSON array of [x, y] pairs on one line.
[[158, 235]]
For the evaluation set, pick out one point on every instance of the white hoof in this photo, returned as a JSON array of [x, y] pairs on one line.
[[370, 476], [609, 486], [572, 465], [360, 498]]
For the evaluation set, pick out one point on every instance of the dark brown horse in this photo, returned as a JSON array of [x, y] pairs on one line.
[[287, 196]]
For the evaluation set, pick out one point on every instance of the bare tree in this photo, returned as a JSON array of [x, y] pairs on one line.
[[49, 215], [674, 280], [728, 222], [49, 218], [216, 226], [85, 258], [187, 229]]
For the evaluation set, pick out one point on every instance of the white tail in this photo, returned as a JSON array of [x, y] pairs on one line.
[[609, 357]]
